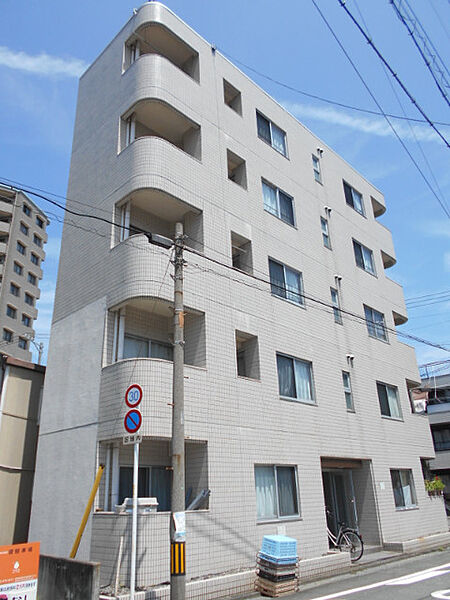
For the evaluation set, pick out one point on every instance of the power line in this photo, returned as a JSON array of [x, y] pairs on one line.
[[431, 295], [321, 98], [393, 73], [430, 55], [444, 208]]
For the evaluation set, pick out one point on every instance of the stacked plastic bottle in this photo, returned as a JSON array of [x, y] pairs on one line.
[[277, 566]]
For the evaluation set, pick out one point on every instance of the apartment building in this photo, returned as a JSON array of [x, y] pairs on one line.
[[292, 405], [22, 239]]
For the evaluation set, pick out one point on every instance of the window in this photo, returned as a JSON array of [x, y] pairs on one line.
[[353, 198], [241, 253], [26, 320], [24, 229], [295, 378], [18, 268], [286, 283], [347, 390], [388, 398], [20, 248], [271, 134], [39, 222], [441, 438], [135, 347], [23, 343], [247, 355], [236, 169], [278, 203], [11, 311], [152, 481], [232, 97], [364, 257], [316, 169], [375, 323], [276, 492], [34, 259], [14, 289], [37, 240], [26, 209], [336, 306], [325, 233], [7, 335], [403, 488], [29, 299], [31, 278]]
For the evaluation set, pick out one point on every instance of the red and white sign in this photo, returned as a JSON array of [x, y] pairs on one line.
[[133, 395], [19, 568]]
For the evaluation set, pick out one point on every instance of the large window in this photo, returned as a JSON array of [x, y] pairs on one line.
[[271, 134], [403, 488], [152, 482], [278, 203], [276, 492], [389, 402], [364, 257], [295, 378], [441, 438], [136, 347], [375, 323], [353, 198], [285, 282]]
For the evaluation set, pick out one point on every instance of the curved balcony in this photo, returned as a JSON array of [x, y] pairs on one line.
[[154, 76], [150, 162], [155, 378]]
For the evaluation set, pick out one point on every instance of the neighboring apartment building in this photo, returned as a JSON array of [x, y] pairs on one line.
[[22, 238], [438, 409], [291, 405], [21, 386]]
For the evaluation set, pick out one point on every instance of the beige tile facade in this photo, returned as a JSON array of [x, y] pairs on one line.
[[22, 239], [150, 148]]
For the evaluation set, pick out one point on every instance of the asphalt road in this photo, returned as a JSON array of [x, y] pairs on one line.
[[424, 577]]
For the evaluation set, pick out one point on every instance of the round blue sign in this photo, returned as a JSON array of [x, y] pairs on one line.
[[132, 421]]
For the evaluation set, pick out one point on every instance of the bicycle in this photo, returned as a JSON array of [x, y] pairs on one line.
[[347, 540]]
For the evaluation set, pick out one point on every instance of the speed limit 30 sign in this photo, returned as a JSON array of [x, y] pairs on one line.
[[133, 395]]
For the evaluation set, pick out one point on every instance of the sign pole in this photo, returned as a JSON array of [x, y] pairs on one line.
[[134, 522]]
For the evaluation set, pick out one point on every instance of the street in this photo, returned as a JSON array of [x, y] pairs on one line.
[[418, 578]]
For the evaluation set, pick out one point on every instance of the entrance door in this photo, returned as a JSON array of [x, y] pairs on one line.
[[339, 498]]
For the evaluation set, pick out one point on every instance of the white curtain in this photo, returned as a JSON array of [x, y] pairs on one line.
[[368, 259], [303, 380], [265, 492], [293, 286], [278, 139], [393, 402], [286, 379], [270, 198]]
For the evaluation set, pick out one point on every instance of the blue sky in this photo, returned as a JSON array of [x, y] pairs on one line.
[[46, 45]]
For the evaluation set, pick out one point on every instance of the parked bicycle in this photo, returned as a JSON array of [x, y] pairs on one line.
[[347, 540]]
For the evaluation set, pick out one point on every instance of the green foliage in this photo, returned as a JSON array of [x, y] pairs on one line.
[[434, 485]]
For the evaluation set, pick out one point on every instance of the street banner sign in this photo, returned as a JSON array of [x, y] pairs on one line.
[[133, 421], [133, 395], [19, 568]]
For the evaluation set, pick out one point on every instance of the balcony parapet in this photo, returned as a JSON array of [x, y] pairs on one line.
[[5, 208]]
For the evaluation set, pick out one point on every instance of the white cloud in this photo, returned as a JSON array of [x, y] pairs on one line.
[[436, 228], [52, 247], [372, 126], [41, 64]]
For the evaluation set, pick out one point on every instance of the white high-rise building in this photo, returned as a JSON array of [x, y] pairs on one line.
[[296, 385]]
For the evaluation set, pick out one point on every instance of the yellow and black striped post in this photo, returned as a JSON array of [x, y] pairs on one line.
[[178, 558]]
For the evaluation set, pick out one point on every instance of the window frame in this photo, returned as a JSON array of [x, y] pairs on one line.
[[373, 327], [22, 343], [26, 320], [11, 309], [394, 417], [362, 264], [14, 289], [410, 484], [295, 491], [348, 393], [149, 342], [24, 228], [17, 268], [347, 195], [32, 278], [7, 335], [271, 125], [37, 240], [273, 285], [21, 248], [278, 191], [29, 299], [326, 239], [39, 222], [336, 302], [34, 258], [312, 400], [26, 209]]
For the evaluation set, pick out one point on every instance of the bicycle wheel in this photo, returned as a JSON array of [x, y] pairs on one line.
[[350, 541]]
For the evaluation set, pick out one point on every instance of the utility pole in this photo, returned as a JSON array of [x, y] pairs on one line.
[[177, 516]]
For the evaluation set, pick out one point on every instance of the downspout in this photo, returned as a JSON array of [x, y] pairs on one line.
[[4, 380]]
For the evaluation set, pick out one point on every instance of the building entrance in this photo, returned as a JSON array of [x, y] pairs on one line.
[[340, 502]]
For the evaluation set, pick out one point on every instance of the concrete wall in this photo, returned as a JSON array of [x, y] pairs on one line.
[[65, 579]]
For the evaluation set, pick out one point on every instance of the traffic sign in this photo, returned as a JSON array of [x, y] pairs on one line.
[[133, 421], [133, 395]]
